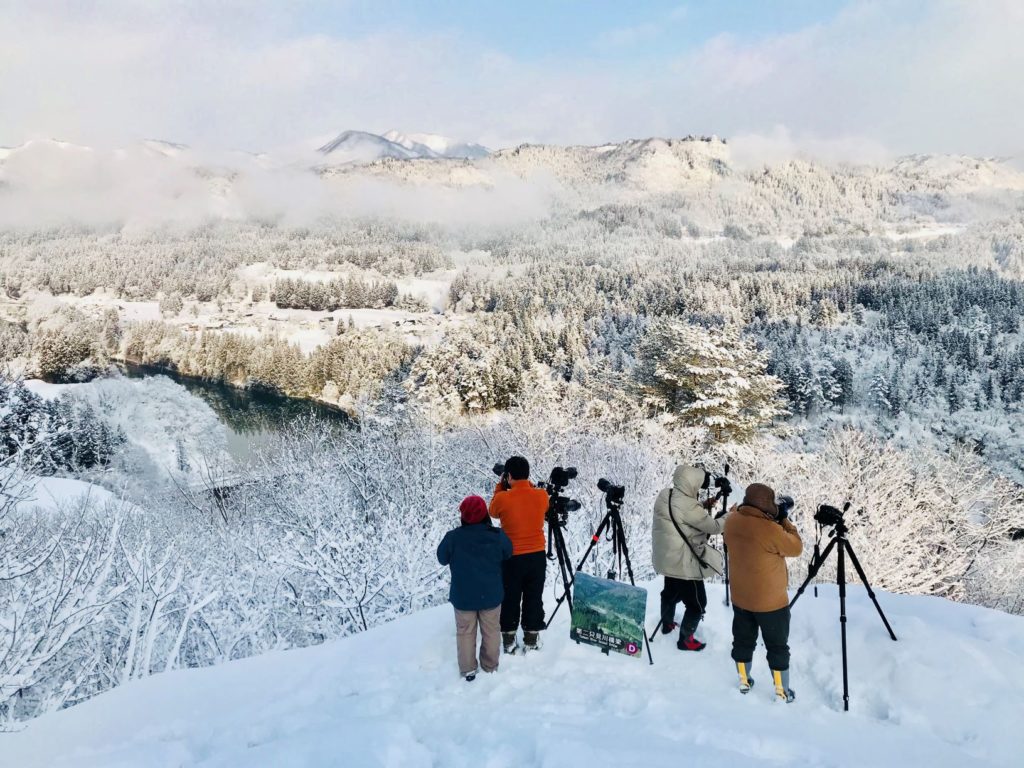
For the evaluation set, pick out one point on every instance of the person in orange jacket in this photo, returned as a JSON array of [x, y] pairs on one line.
[[521, 508]]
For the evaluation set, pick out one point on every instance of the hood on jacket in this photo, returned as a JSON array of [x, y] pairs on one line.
[[761, 497], [688, 480]]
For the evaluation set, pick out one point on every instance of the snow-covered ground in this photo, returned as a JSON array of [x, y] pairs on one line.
[[946, 694], [166, 426], [51, 493]]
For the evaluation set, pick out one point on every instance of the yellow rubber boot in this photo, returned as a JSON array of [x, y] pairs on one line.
[[746, 681], [782, 690]]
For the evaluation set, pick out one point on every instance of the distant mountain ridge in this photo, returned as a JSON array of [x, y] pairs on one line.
[[361, 147], [702, 175]]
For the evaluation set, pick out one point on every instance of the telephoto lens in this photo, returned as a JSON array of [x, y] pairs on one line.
[[498, 469]]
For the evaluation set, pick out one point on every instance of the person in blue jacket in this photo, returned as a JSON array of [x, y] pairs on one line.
[[474, 552]]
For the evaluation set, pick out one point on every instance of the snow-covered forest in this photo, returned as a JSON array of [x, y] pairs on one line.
[[847, 333]]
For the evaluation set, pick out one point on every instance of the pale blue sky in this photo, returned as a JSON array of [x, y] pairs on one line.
[[535, 29], [843, 76]]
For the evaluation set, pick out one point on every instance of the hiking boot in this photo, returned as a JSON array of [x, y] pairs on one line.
[[782, 690], [508, 640], [469, 677], [667, 628], [690, 643], [530, 640], [746, 681]]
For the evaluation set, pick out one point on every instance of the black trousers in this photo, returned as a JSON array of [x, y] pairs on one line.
[[774, 627], [692, 594], [523, 576]]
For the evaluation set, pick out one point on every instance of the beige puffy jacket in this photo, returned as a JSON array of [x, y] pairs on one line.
[[672, 557]]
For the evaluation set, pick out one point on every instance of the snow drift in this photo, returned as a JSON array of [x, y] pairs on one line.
[[944, 695]]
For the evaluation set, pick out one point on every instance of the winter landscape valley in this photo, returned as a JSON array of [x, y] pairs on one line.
[[238, 435], [247, 379]]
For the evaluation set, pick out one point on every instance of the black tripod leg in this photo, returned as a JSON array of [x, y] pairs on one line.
[[620, 536], [568, 584], [562, 554], [725, 549], [725, 572], [655, 632], [813, 571], [841, 579], [867, 586], [563, 565]]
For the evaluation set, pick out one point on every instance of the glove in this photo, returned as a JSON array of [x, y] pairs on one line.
[[784, 503]]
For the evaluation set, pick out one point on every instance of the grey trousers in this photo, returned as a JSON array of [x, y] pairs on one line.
[[490, 643]]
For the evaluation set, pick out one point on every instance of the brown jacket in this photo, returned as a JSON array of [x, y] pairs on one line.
[[758, 548], [521, 510]]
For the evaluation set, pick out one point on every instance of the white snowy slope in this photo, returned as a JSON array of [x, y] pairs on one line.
[[440, 146], [947, 694], [362, 147]]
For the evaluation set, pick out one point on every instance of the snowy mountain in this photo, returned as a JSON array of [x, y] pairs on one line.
[[165, 148], [431, 144], [361, 147], [941, 696]]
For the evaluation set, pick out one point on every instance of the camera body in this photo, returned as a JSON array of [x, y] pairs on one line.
[[559, 506], [614, 494], [560, 476], [828, 516], [723, 485]]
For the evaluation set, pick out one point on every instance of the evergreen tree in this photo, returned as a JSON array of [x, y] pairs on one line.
[[708, 377]]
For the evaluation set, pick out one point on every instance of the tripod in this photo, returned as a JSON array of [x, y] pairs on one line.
[[842, 544], [725, 547], [620, 554], [556, 542]]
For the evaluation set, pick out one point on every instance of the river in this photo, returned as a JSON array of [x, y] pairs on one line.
[[250, 417]]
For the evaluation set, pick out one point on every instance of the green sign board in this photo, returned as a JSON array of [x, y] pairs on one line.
[[608, 614]]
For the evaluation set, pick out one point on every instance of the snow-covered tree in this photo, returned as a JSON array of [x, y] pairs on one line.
[[708, 377]]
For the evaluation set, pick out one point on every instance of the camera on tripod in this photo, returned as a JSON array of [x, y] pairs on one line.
[[559, 506], [723, 485], [613, 494], [828, 516]]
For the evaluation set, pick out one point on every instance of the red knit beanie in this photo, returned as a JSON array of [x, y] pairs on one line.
[[473, 509]]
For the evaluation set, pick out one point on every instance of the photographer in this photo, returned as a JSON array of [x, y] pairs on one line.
[[521, 507], [682, 525], [760, 538], [475, 553]]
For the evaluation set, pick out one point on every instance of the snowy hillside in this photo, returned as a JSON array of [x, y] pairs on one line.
[[944, 695]]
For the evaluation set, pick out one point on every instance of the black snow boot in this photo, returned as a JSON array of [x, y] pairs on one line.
[[508, 640], [531, 640]]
